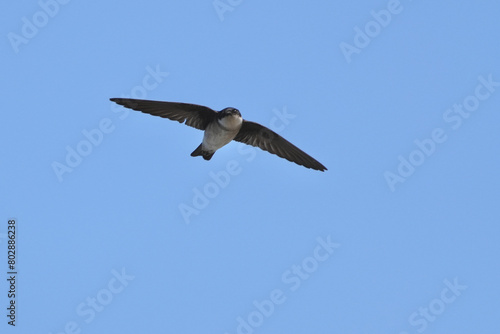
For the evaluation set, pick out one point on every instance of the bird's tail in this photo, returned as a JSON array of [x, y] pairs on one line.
[[199, 151]]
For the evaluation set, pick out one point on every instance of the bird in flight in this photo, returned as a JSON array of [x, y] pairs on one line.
[[222, 127]]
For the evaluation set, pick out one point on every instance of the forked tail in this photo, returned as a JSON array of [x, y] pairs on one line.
[[199, 151]]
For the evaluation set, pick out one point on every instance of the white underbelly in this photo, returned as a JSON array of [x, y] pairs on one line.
[[215, 137]]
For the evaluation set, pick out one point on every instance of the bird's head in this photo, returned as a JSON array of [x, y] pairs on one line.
[[230, 119]]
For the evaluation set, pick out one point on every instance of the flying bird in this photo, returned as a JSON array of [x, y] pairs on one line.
[[222, 127]]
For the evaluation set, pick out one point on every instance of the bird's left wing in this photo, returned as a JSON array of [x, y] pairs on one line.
[[194, 115], [257, 135]]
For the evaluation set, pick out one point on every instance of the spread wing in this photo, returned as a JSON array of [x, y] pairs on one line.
[[257, 135], [194, 115]]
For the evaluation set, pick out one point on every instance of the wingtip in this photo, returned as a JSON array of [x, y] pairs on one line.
[[318, 167], [315, 165], [127, 103]]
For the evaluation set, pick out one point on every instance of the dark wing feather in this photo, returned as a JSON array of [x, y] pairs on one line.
[[257, 135], [194, 115]]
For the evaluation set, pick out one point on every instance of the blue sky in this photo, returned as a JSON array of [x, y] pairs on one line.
[[399, 100]]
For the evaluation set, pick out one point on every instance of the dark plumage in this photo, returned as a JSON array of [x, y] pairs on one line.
[[222, 127]]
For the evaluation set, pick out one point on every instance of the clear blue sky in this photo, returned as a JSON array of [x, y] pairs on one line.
[[120, 230]]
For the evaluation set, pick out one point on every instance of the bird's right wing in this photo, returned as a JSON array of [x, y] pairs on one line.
[[254, 134], [194, 115]]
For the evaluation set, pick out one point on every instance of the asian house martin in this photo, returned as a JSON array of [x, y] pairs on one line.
[[222, 127]]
